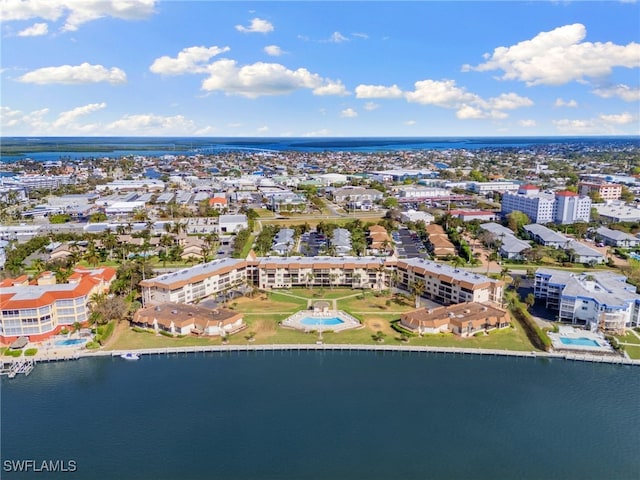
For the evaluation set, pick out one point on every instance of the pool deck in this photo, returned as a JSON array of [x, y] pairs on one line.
[[571, 333], [295, 321]]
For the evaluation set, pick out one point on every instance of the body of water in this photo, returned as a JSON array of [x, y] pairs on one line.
[[326, 415], [53, 149]]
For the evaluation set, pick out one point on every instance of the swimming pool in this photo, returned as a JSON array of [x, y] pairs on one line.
[[312, 321], [581, 341], [70, 342]]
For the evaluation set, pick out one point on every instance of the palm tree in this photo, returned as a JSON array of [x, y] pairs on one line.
[[309, 279], [418, 288], [38, 265], [378, 336], [110, 242], [504, 272], [163, 257]]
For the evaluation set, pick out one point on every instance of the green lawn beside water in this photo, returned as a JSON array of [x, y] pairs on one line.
[[265, 311]]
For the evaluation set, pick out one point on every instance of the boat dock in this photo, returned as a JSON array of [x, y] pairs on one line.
[[14, 368], [611, 359]]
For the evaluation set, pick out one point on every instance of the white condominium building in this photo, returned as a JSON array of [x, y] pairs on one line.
[[562, 207], [596, 299], [441, 282]]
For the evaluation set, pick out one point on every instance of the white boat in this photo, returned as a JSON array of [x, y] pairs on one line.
[[130, 356]]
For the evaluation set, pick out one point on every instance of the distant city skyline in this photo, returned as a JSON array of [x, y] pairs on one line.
[[316, 69]]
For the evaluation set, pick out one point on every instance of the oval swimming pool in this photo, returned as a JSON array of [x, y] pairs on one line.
[[312, 321]]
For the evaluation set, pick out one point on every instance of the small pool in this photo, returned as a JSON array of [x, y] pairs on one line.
[[69, 342], [312, 321], [581, 341]]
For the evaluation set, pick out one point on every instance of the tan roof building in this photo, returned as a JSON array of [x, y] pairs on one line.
[[464, 319], [183, 319]]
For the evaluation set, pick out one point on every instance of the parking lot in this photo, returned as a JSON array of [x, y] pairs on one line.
[[408, 244]]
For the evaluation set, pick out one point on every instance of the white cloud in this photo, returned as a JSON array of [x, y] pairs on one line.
[[150, 124], [565, 103], [348, 113], [410, 123], [189, 60], [77, 12], [446, 94], [261, 78], [258, 25], [35, 30], [443, 93], [576, 126], [558, 57], [16, 120], [378, 91], [624, 92], [69, 117], [360, 35], [331, 88], [620, 119], [467, 112], [273, 50], [263, 129], [371, 106], [509, 101], [318, 133], [337, 37], [527, 123], [74, 75], [604, 124]]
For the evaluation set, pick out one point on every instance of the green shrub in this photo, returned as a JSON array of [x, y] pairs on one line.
[[64, 331], [13, 353], [141, 330], [536, 336], [166, 334], [92, 345], [30, 352]]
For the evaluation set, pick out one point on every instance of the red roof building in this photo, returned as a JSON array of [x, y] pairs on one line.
[[41, 309]]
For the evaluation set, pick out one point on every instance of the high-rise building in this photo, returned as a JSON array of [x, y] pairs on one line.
[[562, 207]]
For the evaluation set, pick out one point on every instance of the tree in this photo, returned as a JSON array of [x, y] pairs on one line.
[[417, 288], [516, 220], [379, 336], [163, 257], [530, 300], [109, 307], [504, 272]]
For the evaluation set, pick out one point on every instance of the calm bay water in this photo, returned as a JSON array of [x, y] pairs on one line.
[[326, 415], [57, 148]]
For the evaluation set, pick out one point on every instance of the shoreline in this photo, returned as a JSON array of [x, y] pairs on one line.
[[572, 356]]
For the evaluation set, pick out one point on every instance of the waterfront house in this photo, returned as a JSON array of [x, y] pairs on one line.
[[182, 319], [464, 319]]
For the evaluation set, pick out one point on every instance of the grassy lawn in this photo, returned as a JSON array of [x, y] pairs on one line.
[[371, 303], [271, 303], [629, 337], [633, 352], [264, 213], [506, 339], [318, 293], [247, 246], [130, 340], [264, 312]]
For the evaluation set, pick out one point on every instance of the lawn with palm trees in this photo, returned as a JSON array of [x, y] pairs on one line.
[[376, 311]]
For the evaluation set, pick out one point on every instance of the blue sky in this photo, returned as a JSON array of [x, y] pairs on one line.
[[206, 68]]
